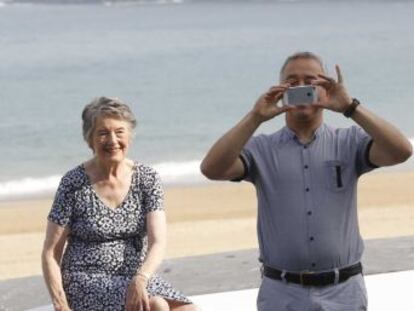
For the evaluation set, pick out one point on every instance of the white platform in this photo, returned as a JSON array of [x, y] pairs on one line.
[[388, 291]]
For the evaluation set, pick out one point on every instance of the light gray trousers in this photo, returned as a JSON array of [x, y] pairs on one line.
[[275, 295]]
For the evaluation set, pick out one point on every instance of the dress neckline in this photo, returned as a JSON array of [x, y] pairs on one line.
[[98, 198]]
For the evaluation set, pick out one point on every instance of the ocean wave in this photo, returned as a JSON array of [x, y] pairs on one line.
[[172, 173], [140, 2], [179, 172], [28, 187], [86, 2], [6, 2]]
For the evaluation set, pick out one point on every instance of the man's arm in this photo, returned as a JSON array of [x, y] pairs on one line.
[[222, 162], [389, 145]]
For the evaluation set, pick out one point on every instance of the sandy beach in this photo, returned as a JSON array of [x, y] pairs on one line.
[[207, 219]]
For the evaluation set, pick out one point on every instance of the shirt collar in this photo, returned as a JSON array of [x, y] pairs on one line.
[[288, 134]]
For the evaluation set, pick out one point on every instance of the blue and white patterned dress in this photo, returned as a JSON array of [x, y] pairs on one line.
[[106, 246]]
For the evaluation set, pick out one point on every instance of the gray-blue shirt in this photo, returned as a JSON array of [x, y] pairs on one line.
[[307, 216]]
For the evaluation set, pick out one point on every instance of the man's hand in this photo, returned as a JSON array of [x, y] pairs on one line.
[[266, 106], [137, 295], [337, 98]]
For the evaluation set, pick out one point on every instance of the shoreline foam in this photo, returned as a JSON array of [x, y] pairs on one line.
[[173, 174]]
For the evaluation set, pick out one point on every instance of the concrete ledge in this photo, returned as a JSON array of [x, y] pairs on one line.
[[217, 273]]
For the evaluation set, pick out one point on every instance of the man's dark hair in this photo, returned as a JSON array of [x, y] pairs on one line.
[[301, 55]]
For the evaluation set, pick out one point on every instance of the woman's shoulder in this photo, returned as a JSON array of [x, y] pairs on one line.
[[146, 172], [75, 177], [144, 168]]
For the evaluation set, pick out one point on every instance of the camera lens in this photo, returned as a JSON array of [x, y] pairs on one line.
[[309, 94]]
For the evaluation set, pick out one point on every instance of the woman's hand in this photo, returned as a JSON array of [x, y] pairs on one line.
[[137, 296]]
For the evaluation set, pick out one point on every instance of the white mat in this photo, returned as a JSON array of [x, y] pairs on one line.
[[388, 291]]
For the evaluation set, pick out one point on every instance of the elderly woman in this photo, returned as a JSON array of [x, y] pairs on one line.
[[109, 212]]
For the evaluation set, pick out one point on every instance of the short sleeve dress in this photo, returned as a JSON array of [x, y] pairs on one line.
[[106, 246]]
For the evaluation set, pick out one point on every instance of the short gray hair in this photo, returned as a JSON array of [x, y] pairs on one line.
[[301, 55], [105, 107]]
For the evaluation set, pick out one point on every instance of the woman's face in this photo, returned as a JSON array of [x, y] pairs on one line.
[[110, 139]]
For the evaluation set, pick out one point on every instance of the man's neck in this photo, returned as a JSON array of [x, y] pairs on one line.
[[304, 130]]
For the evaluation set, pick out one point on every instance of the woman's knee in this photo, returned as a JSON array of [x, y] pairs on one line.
[[158, 304], [186, 307], [192, 307]]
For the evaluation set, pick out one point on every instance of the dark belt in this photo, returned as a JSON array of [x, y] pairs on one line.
[[308, 278]]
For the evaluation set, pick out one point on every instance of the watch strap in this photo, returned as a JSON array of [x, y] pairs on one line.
[[351, 109]]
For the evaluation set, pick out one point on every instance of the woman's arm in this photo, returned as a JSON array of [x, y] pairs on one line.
[[157, 231], [51, 256], [157, 241]]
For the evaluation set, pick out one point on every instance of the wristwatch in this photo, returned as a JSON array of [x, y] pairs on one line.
[[351, 109]]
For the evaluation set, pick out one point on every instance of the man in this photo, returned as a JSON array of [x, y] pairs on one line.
[[305, 177]]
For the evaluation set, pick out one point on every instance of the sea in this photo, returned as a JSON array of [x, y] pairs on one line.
[[189, 69]]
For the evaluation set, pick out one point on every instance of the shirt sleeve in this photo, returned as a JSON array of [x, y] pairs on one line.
[[153, 192], [363, 142], [62, 205], [248, 157]]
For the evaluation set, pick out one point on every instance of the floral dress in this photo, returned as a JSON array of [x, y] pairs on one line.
[[106, 246]]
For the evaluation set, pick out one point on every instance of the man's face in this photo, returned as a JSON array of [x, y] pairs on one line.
[[304, 71]]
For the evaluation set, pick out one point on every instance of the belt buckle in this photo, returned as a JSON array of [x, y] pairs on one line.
[[302, 274]]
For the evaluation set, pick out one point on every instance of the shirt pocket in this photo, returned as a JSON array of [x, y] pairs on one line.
[[336, 175]]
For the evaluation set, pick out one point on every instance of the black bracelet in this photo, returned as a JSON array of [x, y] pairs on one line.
[[351, 109]]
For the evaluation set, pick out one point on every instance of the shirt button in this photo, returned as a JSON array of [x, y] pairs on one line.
[[313, 264], [307, 189], [305, 147], [309, 213], [306, 166], [311, 238]]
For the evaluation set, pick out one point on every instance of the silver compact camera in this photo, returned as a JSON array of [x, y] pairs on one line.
[[300, 95]]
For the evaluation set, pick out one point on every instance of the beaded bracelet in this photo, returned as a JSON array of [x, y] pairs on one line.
[[143, 275]]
